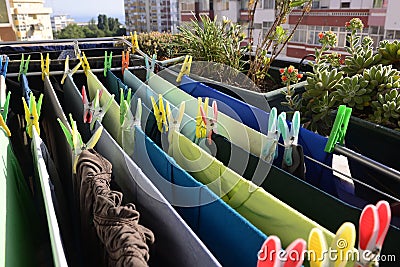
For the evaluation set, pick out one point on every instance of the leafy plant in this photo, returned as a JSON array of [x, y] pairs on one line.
[[381, 78], [160, 43], [275, 40], [211, 40], [390, 52]]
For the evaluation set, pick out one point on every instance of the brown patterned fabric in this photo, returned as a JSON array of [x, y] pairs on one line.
[[123, 241]]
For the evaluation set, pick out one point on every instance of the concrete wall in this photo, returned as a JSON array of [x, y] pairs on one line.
[[392, 16]]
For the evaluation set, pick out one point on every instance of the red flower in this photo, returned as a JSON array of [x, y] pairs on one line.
[[281, 71], [290, 69], [321, 35], [284, 78], [347, 24], [299, 76]]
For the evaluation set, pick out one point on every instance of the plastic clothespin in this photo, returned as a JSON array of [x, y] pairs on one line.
[[3, 68], [130, 121], [270, 152], [125, 61], [4, 112], [74, 139], [107, 63], [125, 104], [185, 70], [201, 124], [150, 67], [211, 123], [135, 43], [77, 51], [23, 67], [289, 138], [67, 70], [174, 122], [99, 111], [160, 114], [45, 66], [87, 107], [84, 62], [339, 128], [32, 113]]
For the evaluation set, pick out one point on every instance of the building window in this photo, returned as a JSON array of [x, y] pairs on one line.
[[269, 4], [222, 4], [187, 5], [345, 5], [244, 4], [378, 3], [315, 4]]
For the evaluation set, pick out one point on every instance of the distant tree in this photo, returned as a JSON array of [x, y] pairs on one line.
[[72, 31], [104, 27]]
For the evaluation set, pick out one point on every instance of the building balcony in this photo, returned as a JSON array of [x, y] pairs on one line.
[[36, 10]]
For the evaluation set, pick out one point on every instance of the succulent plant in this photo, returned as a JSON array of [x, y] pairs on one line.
[[362, 56], [387, 108], [353, 92], [322, 81], [390, 52], [382, 77]]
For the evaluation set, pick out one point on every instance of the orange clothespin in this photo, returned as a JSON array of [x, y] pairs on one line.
[[125, 61]]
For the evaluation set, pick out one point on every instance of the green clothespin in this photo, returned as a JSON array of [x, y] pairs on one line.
[[107, 63], [74, 139], [339, 128], [4, 113], [23, 67], [124, 106]]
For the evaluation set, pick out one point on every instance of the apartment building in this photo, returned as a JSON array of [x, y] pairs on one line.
[[31, 20], [379, 18], [151, 15], [59, 22], [7, 32]]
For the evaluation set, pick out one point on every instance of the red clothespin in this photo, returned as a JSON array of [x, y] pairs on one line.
[[125, 61]]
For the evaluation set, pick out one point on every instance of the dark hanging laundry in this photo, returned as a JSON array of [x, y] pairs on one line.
[[124, 242]]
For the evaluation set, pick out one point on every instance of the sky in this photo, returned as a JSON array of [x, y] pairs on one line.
[[84, 10]]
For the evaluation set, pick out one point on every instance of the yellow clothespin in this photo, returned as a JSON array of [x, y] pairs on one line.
[[201, 122], [74, 139], [185, 70], [67, 70], [4, 126], [159, 113], [32, 113], [84, 63], [45, 65], [135, 43]]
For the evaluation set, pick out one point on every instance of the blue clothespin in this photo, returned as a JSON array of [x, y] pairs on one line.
[[3, 68], [107, 63], [270, 152], [290, 138], [339, 128], [150, 68], [23, 67]]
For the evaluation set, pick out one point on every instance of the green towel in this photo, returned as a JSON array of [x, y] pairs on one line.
[[266, 212]]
